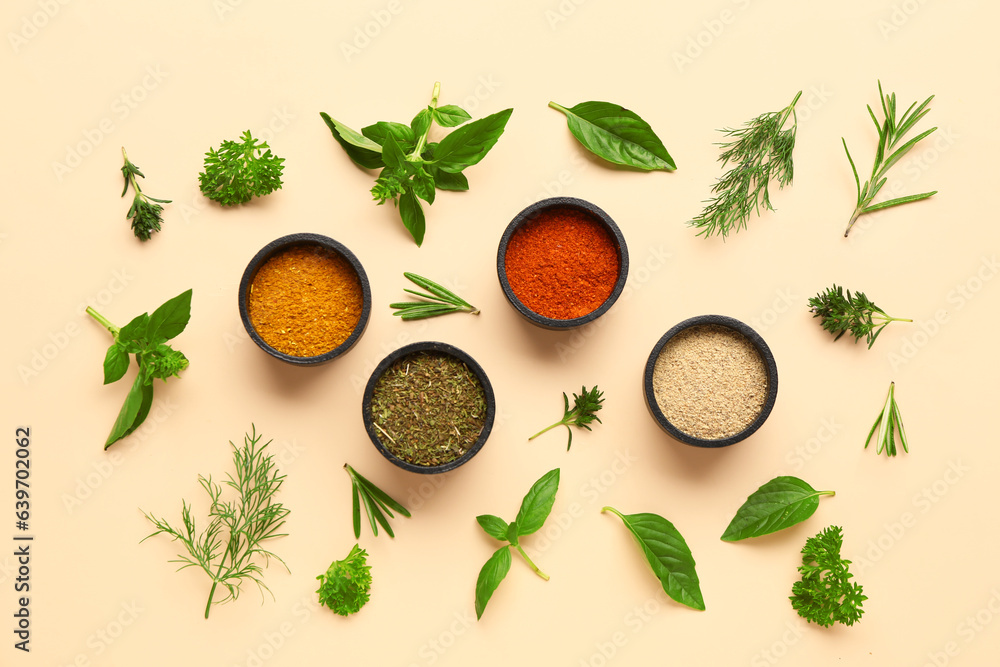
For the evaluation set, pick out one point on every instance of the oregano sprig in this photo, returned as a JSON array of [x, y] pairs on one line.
[[890, 132], [413, 168], [535, 508], [760, 152], [145, 212]]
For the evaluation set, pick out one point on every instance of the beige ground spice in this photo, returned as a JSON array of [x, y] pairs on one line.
[[710, 381]]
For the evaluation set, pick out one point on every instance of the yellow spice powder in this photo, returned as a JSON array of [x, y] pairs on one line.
[[305, 301]]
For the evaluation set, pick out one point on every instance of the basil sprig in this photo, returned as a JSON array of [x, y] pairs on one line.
[[778, 504], [667, 554], [535, 508], [612, 132]]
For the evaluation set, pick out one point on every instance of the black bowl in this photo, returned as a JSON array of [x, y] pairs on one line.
[[284, 243], [529, 214], [443, 348], [765, 354]]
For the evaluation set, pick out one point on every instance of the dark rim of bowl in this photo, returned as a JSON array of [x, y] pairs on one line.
[[284, 243], [444, 348], [766, 356], [530, 213]]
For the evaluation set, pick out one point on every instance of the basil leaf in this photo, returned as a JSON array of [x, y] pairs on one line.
[[778, 504], [493, 572], [169, 319], [667, 554], [382, 129], [450, 115], [537, 503], [133, 334], [125, 422], [512, 533], [421, 122], [363, 151], [116, 363], [444, 180], [412, 215], [470, 143], [423, 186], [493, 525], [617, 135], [145, 403]]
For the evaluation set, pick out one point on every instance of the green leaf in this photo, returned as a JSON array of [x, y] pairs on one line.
[[421, 122], [450, 115], [493, 525], [116, 363], [145, 403], [470, 143], [130, 410], [490, 576], [382, 129], [393, 155], [537, 503], [617, 135], [897, 201], [412, 215], [667, 554], [778, 504], [363, 151], [169, 319], [444, 180], [134, 334], [423, 186]]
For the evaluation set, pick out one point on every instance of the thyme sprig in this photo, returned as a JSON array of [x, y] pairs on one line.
[[888, 421], [584, 412], [229, 550], [851, 312], [377, 504], [890, 131], [760, 152], [437, 300], [145, 211]]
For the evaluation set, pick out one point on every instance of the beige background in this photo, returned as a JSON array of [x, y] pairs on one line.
[[169, 81]]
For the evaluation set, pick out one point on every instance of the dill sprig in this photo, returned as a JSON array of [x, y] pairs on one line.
[[437, 300], [229, 550], [584, 411], [890, 132], [144, 212], [760, 153], [888, 421], [377, 504], [851, 312]]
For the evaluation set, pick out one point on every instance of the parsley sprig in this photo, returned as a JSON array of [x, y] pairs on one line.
[[345, 586], [145, 212], [239, 171], [584, 412], [761, 152], [856, 313], [826, 595]]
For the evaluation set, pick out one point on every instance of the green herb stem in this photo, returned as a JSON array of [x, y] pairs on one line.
[[549, 428], [531, 563], [422, 141], [103, 321]]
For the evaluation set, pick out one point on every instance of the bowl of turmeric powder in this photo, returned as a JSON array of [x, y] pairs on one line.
[[305, 299]]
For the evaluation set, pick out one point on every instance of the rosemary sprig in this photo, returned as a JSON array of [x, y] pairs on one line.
[[377, 504], [144, 212], [229, 549], [760, 153], [890, 132], [437, 301], [854, 312], [584, 412], [888, 420]]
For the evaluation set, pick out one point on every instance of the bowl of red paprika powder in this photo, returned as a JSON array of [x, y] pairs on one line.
[[305, 299], [562, 262]]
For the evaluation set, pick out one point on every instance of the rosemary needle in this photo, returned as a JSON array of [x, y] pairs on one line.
[[436, 300]]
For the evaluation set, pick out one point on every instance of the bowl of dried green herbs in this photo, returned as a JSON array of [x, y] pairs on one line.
[[428, 407], [710, 381]]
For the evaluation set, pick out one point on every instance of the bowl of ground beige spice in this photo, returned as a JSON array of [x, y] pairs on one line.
[[305, 299], [710, 381]]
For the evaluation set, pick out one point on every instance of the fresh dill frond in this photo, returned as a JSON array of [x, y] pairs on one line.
[[760, 152]]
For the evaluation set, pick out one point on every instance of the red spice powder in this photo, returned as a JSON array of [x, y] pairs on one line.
[[562, 264]]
